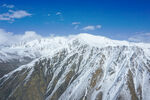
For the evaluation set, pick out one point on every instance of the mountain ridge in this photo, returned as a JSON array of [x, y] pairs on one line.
[[80, 67]]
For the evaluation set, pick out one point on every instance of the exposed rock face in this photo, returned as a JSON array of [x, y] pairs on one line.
[[82, 71], [7, 66]]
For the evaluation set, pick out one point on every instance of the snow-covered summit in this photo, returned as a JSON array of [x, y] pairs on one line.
[[76, 67], [45, 46], [93, 40], [101, 41]]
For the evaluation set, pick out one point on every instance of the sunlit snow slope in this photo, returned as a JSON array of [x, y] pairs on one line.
[[79, 67]]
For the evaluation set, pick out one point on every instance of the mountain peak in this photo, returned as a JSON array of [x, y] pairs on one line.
[[74, 68], [100, 41]]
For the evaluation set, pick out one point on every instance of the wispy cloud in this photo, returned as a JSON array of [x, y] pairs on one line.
[[140, 37], [9, 37], [76, 24], [12, 15], [60, 16], [91, 27], [8, 6], [98, 26], [58, 13]]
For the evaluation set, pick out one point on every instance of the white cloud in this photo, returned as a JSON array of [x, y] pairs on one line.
[[11, 15], [75, 23], [5, 16], [91, 27], [60, 16], [98, 26], [141, 37], [19, 14], [8, 6], [30, 35], [7, 38], [58, 13]]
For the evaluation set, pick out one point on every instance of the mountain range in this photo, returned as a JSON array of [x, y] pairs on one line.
[[75, 67]]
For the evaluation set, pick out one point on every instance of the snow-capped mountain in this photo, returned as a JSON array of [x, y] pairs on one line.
[[79, 67]]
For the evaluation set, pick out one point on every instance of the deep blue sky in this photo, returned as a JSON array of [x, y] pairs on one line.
[[119, 19]]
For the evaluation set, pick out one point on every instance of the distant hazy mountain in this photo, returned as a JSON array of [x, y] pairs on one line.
[[79, 67]]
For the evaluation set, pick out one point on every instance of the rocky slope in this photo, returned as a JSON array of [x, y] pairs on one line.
[[82, 67]]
